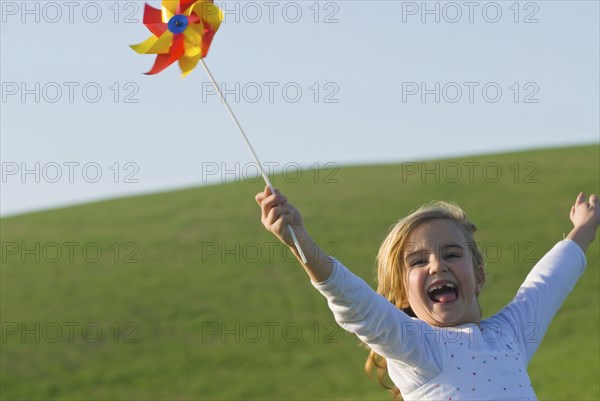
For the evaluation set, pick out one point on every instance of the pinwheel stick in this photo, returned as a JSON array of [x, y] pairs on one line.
[[262, 171]]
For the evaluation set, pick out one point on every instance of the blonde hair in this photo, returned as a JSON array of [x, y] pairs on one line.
[[391, 275]]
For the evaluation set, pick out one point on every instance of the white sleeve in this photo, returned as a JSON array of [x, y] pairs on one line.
[[386, 329], [546, 287]]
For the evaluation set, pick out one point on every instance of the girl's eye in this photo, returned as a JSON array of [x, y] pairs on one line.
[[417, 262], [453, 255]]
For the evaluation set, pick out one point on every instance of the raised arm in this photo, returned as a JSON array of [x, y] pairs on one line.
[[356, 306], [552, 278]]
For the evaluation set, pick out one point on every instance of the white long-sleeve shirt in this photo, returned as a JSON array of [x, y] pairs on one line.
[[465, 362]]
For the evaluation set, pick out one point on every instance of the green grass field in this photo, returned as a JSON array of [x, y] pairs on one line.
[[185, 296]]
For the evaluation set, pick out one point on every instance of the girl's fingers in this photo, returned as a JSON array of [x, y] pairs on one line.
[[262, 195], [268, 201], [269, 197], [273, 201], [278, 212], [281, 222], [267, 191], [580, 199]]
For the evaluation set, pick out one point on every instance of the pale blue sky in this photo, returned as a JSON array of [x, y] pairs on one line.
[[361, 67]]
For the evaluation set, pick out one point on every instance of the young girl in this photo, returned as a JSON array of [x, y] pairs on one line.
[[424, 323]]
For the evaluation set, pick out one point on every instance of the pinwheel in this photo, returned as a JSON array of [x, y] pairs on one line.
[[183, 31]]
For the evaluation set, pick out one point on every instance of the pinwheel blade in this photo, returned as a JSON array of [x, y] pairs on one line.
[[209, 13], [154, 45], [165, 60], [153, 20], [207, 38], [187, 64], [193, 40], [185, 6], [169, 9], [142, 48]]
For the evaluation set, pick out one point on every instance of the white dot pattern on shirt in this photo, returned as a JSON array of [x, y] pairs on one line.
[[485, 361]]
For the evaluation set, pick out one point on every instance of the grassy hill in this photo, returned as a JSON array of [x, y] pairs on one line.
[[184, 296]]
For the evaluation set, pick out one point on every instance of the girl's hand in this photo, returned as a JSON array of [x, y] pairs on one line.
[[586, 213], [277, 214], [586, 219]]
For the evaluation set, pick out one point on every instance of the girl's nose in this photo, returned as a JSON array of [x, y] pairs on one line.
[[437, 266]]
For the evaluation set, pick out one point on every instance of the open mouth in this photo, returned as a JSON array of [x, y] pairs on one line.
[[442, 292]]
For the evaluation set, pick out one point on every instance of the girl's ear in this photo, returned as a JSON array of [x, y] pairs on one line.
[[479, 279]]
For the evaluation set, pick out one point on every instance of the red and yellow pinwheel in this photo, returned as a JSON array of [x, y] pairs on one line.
[[182, 31]]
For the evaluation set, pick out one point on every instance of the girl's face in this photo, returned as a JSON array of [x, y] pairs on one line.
[[442, 283]]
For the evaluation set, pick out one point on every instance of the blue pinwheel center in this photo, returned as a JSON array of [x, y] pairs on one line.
[[178, 23]]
